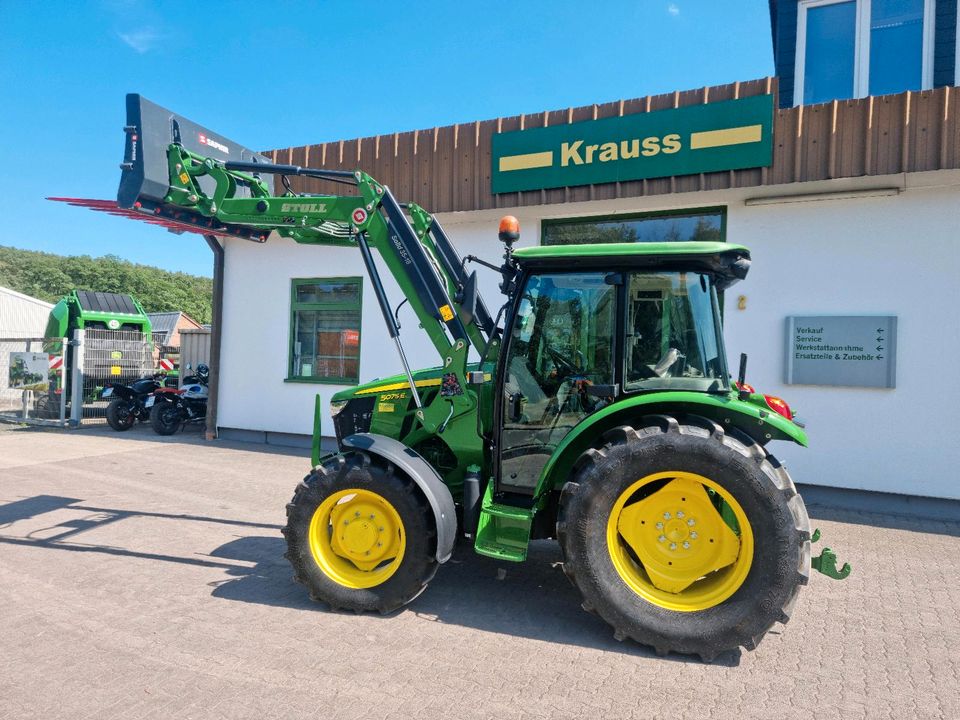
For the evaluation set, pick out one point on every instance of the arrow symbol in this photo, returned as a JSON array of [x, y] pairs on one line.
[[879, 357], [879, 330], [879, 348], [879, 339]]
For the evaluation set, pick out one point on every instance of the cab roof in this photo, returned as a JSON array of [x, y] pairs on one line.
[[675, 250], [728, 263]]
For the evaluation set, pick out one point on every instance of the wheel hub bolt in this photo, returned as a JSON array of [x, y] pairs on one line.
[[691, 522], [686, 545], [693, 535], [662, 538], [372, 516], [659, 526], [357, 514], [679, 513], [666, 516], [673, 546]]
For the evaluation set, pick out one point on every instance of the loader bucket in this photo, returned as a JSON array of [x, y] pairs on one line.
[[150, 130]]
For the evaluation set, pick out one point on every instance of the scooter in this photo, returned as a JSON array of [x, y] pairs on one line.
[[170, 409]]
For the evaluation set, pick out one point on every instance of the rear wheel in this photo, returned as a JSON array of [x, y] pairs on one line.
[[120, 415], [684, 538], [165, 418], [359, 536]]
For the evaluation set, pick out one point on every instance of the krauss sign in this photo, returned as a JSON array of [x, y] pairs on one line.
[[727, 135]]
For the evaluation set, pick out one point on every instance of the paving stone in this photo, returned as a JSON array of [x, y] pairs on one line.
[[144, 577]]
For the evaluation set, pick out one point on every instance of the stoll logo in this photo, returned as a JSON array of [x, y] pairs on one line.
[[700, 138], [303, 208]]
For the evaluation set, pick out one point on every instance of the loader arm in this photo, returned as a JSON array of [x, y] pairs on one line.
[[231, 198], [187, 178], [422, 261]]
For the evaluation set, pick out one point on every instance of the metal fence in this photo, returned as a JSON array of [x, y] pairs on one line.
[[194, 349], [32, 380], [107, 356]]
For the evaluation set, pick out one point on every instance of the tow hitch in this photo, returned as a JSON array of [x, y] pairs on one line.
[[826, 561]]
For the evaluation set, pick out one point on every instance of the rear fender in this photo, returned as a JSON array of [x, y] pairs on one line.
[[761, 425], [123, 392], [419, 471]]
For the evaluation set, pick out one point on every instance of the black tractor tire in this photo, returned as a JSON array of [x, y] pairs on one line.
[[119, 416], [755, 479], [164, 418], [358, 470]]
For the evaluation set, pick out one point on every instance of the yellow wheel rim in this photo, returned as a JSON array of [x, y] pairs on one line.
[[671, 545], [357, 538]]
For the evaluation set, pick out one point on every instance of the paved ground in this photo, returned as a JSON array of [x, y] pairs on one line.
[[144, 578]]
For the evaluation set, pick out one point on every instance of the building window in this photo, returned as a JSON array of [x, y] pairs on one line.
[[325, 330], [706, 224], [854, 48]]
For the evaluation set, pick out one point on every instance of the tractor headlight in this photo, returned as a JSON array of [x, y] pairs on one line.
[[336, 406]]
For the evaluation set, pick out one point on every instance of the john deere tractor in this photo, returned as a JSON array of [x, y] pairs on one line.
[[596, 407]]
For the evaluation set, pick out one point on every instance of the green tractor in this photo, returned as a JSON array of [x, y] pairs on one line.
[[596, 407]]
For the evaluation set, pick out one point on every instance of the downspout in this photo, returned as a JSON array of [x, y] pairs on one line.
[[216, 325]]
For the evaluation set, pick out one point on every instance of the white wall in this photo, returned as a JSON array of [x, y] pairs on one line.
[[22, 315], [889, 255], [256, 334], [872, 256]]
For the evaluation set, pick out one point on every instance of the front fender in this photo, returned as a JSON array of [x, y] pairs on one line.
[[419, 470], [760, 424]]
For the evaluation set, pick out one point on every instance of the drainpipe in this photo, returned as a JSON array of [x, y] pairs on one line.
[[216, 324]]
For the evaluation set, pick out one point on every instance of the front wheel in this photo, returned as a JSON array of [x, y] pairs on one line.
[[683, 537], [165, 418], [359, 536], [120, 415]]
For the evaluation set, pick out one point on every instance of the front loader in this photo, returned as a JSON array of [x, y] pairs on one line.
[[595, 407]]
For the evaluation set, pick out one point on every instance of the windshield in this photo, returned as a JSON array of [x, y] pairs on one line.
[[673, 333]]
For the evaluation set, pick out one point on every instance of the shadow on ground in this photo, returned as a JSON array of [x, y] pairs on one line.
[[890, 521], [532, 599]]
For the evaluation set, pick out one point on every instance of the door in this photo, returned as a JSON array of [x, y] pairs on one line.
[[559, 368]]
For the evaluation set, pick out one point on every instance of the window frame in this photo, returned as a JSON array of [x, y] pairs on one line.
[[296, 306], [626, 217], [861, 45]]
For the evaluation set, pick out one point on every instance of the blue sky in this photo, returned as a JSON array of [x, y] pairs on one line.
[[293, 73]]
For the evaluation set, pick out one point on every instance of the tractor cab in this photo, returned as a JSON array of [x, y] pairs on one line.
[[595, 324]]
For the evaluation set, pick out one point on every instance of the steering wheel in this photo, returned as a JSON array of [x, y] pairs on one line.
[[668, 360], [659, 370]]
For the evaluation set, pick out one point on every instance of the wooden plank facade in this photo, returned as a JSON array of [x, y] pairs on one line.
[[447, 169]]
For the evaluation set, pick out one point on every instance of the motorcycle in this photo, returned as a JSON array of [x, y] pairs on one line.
[[170, 408], [127, 402]]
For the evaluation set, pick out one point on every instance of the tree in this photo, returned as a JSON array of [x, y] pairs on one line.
[[49, 277]]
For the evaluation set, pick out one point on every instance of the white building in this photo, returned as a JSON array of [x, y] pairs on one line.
[[22, 316], [853, 212]]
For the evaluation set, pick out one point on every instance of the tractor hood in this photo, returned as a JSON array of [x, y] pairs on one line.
[[427, 378]]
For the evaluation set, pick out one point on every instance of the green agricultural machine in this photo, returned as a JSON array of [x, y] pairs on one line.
[[88, 310], [596, 407], [82, 309]]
